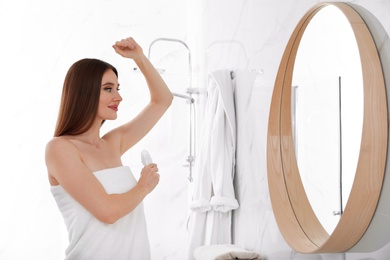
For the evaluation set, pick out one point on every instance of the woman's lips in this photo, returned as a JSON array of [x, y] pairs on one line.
[[115, 108]]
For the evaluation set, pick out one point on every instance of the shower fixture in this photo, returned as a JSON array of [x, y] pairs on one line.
[[190, 91]]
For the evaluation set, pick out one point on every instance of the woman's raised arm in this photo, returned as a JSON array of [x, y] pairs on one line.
[[160, 96]]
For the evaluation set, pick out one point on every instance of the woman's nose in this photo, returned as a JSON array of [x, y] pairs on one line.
[[118, 97]]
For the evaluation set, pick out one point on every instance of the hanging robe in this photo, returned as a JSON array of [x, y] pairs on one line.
[[213, 193]]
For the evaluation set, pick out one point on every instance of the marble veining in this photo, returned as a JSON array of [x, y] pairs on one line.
[[38, 46]]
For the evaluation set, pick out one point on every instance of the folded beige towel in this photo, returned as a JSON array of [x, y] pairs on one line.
[[224, 252]]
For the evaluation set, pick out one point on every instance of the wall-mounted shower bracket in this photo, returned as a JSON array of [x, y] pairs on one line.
[[189, 99], [190, 91]]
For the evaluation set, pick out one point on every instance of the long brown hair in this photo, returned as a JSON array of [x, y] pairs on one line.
[[80, 96]]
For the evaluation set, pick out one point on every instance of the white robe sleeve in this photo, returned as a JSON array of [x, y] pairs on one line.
[[215, 160], [202, 170], [223, 144]]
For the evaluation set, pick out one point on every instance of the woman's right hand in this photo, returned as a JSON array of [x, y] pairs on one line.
[[128, 48], [149, 177]]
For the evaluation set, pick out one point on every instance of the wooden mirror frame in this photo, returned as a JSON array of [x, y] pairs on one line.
[[293, 213]]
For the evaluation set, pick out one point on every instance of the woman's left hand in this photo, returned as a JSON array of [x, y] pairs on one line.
[[128, 48]]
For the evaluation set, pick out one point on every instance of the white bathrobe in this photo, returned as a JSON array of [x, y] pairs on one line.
[[213, 194]]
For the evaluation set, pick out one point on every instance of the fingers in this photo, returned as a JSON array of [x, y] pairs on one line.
[[126, 43], [149, 177], [150, 171], [128, 48], [150, 168]]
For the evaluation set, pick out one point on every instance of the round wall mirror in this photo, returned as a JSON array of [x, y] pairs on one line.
[[291, 175], [327, 112]]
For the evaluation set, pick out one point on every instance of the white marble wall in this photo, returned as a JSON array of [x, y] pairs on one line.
[[41, 39], [263, 28]]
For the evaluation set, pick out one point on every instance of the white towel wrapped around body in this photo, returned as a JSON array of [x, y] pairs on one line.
[[91, 239], [224, 252]]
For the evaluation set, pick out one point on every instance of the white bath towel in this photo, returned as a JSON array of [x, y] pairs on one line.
[[224, 252], [91, 239]]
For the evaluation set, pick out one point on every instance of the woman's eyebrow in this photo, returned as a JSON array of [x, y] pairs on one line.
[[110, 84]]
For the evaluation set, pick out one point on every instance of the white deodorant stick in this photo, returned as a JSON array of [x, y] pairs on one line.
[[146, 159]]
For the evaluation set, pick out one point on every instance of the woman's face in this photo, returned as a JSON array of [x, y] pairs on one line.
[[109, 96]]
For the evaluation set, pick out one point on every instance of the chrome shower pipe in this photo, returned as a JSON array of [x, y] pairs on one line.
[[189, 55], [192, 124], [190, 99]]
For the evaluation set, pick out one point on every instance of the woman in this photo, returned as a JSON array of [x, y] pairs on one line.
[[100, 200]]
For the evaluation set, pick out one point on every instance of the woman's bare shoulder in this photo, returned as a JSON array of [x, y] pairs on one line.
[[59, 142], [59, 154], [58, 146]]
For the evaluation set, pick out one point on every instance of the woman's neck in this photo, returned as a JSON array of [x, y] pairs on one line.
[[91, 136]]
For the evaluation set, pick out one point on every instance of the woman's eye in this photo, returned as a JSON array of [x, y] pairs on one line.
[[108, 89]]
